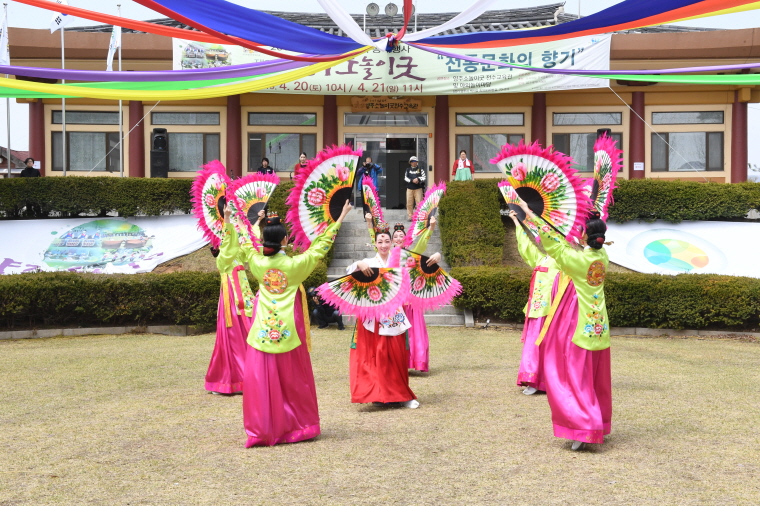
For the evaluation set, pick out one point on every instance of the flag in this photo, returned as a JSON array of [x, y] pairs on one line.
[[60, 20], [113, 46], [5, 57]]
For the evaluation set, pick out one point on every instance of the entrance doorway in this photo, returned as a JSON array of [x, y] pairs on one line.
[[392, 153]]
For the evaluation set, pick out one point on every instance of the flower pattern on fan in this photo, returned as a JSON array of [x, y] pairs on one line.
[[608, 161], [422, 213], [548, 174], [208, 188], [429, 289]]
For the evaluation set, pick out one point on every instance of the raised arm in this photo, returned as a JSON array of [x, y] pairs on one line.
[[229, 249], [553, 243], [321, 245], [525, 245]]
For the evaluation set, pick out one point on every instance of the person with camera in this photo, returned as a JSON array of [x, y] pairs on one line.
[[323, 313]]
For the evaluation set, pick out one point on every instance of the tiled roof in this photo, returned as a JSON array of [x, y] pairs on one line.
[[379, 26]]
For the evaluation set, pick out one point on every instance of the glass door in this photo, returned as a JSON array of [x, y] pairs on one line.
[[391, 152]]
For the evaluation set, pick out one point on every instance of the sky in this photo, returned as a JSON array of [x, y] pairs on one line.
[[24, 16]]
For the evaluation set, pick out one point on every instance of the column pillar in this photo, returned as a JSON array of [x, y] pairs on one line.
[[739, 136], [37, 133], [234, 137], [136, 139], [441, 149], [637, 141], [538, 120], [329, 123]]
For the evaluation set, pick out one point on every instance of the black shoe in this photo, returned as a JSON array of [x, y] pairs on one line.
[[322, 327], [341, 327]]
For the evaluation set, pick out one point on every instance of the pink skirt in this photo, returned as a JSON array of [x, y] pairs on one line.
[[578, 381], [530, 373], [279, 394], [225, 371], [419, 344]]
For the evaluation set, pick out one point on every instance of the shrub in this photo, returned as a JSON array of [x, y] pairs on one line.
[[675, 201], [471, 229], [73, 196], [70, 299], [686, 301]]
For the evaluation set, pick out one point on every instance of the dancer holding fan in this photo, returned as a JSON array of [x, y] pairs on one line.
[[576, 355], [236, 300], [543, 286], [423, 225], [279, 396]]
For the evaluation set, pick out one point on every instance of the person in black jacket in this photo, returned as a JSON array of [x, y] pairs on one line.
[[265, 168], [29, 170], [323, 313], [415, 185]]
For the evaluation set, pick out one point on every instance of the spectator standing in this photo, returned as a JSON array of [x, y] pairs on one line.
[[265, 168], [415, 185], [29, 170], [462, 169]]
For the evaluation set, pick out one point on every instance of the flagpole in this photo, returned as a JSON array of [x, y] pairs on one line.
[[8, 99], [121, 113], [63, 106]]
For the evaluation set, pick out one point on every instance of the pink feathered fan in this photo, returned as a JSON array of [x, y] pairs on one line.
[[320, 193], [373, 296], [424, 211], [250, 195], [208, 197], [544, 179], [608, 161]]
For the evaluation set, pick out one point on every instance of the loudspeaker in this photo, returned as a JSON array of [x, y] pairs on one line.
[[159, 140], [159, 163], [602, 131], [159, 153]]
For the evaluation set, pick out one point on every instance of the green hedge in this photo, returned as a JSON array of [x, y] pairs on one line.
[[73, 196], [472, 232], [676, 201], [471, 228], [63, 299], [686, 301]]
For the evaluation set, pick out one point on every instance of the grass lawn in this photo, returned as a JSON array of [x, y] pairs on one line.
[[125, 420]]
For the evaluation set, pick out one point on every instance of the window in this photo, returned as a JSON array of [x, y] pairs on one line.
[[189, 151], [385, 120], [580, 147], [688, 118], [87, 117], [588, 118], [282, 119], [282, 150], [482, 147], [510, 119], [688, 151], [185, 118], [87, 151]]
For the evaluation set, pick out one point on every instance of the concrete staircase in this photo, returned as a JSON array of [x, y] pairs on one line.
[[353, 243]]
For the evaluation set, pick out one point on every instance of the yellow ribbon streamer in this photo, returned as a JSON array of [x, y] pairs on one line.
[[226, 297], [564, 282], [306, 321], [195, 94]]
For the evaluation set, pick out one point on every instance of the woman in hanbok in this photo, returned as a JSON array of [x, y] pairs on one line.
[[378, 371], [577, 348], [417, 335], [279, 395], [543, 285], [462, 170], [234, 318]]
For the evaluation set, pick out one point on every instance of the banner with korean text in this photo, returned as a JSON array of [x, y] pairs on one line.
[[98, 245], [413, 71]]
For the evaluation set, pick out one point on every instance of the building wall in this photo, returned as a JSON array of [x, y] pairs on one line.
[[660, 98]]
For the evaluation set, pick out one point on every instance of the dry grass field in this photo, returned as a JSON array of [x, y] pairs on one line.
[[125, 420]]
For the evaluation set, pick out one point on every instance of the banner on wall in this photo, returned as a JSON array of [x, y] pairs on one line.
[[412, 71], [698, 247], [99, 245]]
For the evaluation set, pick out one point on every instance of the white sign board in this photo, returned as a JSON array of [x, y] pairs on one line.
[[411, 71], [698, 247], [100, 245]]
